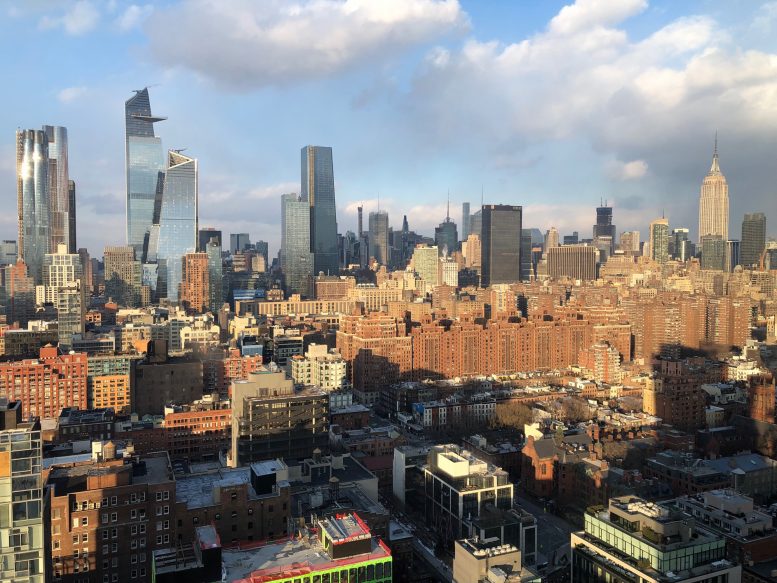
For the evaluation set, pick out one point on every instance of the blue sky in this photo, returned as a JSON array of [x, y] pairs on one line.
[[537, 103]]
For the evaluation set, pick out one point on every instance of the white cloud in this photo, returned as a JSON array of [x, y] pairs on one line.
[[79, 18], [633, 170], [133, 16], [585, 14], [248, 43], [70, 94]]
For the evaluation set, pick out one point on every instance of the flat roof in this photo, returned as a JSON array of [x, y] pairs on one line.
[[196, 490], [287, 559]]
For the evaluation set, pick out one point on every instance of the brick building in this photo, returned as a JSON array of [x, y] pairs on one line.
[[198, 431], [195, 288], [47, 384], [675, 395], [219, 372], [109, 515]]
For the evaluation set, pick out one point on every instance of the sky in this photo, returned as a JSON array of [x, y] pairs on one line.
[[550, 105]]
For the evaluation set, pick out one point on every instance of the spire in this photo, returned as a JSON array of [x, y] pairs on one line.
[[448, 211], [715, 168]]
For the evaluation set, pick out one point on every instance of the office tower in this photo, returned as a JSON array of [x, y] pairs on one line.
[[378, 237], [753, 239], [59, 187], [472, 251], [296, 258], [551, 238], [271, 420], [8, 252], [122, 275], [114, 515], [732, 255], [23, 528], [465, 221], [446, 236], [205, 235], [145, 161], [425, 265], [476, 223], [71, 216], [360, 209], [215, 275], [318, 188], [572, 239], [238, 242], [263, 248], [713, 201], [526, 245], [659, 240], [501, 250], [33, 194], [46, 384], [174, 233], [573, 261], [65, 290], [659, 542], [195, 283], [604, 227], [713, 252], [679, 244]]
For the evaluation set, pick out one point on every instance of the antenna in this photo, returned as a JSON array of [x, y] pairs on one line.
[[715, 151], [481, 196], [448, 211]]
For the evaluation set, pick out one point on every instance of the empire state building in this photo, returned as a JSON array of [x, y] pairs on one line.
[[713, 202]]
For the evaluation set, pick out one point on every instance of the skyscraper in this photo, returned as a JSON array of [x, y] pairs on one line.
[[526, 266], [145, 161], [205, 235], [195, 282], [446, 236], [551, 238], [713, 202], [464, 221], [72, 247], [732, 255], [122, 275], [659, 240], [713, 253], [174, 232], [476, 223], [296, 258], [573, 261], [318, 188], [680, 244], [378, 232], [33, 193], [501, 251], [215, 275], [753, 239], [604, 226], [425, 264], [59, 187], [23, 530], [238, 242]]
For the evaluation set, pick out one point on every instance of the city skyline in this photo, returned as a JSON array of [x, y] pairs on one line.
[[665, 164]]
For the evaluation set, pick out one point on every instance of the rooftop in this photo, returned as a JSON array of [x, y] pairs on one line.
[[153, 468], [197, 490]]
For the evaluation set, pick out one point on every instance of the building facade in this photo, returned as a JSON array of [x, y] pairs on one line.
[[501, 244]]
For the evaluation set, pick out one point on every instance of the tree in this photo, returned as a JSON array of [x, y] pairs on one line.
[[512, 414]]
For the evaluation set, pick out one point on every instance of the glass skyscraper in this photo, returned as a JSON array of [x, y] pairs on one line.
[[378, 237], [753, 239], [296, 258], [175, 229], [215, 274], [145, 162], [318, 188], [33, 194], [59, 187]]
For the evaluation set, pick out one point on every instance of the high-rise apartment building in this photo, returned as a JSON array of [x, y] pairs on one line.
[[174, 229], [64, 289], [145, 162], [71, 216], [33, 199], [59, 188], [215, 275], [675, 395], [24, 537], [318, 189], [271, 420], [19, 289], [425, 259], [501, 237], [636, 540], [465, 221], [713, 201], [122, 275], [46, 384], [753, 239], [379, 237], [659, 240], [574, 261], [195, 282], [296, 258]]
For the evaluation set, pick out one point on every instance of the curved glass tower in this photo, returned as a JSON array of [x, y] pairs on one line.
[[175, 221], [145, 160], [318, 188], [33, 194]]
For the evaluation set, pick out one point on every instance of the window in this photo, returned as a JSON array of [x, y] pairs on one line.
[[159, 525], [167, 538], [134, 544], [196, 520], [234, 495], [142, 571], [105, 502], [133, 514], [159, 496], [134, 559], [159, 511], [114, 547], [234, 514], [75, 523], [166, 525], [113, 500], [105, 549], [218, 516], [114, 516], [250, 511], [85, 521], [159, 540], [114, 532], [105, 518], [115, 562], [75, 539], [105, 534], [166, 495], [142, 528], [85, 537], [134, 529], [114, 577], [134, 574], [166, 509], [56, 544]]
